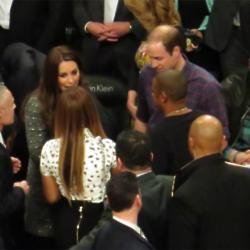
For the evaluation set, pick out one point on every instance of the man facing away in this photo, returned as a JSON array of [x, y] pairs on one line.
[[169, 137], [134, 154], [210, 205], [125, 202]]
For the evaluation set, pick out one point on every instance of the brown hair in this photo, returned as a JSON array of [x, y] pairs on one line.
[[151, 13], [48, 90], [75, 110]]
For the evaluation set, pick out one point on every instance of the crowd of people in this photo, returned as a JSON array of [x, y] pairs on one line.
[[167, 171]]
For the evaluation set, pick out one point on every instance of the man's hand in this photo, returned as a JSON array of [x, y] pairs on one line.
[[23, 185], [117, 30], [16, 164], [97, 29], [243, 158]]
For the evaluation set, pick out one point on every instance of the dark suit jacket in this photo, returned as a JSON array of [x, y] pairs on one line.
[[117, 236], [220, 23], [155, 191], [210, 207], [40, 23], [89, 10], [152, 218], [11, 199]]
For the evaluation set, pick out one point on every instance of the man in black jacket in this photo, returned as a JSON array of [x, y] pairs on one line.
[[210, 205], [11, 194]]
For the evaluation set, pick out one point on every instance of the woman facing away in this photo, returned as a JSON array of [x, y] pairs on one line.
[[61, 71], [76, 165]]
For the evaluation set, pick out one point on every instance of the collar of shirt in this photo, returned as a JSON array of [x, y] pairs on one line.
[[110, 7], [1, 139], [5, 6], [128, 224], [146, 172]]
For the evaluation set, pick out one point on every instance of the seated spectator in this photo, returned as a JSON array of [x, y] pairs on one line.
[[75, 166], [210, 205], [11, 193], [166, 52], [169, 137], [122, 232], [236, 91]]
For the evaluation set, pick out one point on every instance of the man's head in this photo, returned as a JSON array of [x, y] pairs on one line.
[[7, 106], [169, 86], [123, 192], [165, 46], [133, 150], [206, 136]]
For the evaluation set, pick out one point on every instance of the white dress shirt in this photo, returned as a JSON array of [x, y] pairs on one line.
[[5, 6], [1, 139], [110, 10]]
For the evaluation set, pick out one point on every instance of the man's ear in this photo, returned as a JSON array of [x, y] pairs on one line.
[[119, 164], [176, 51], [138, 201], [191, 145], [224, 143], [151, 156], [163, 97]]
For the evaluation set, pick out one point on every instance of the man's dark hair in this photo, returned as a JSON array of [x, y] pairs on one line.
[[173, 83], [121, 191], [134, 149]]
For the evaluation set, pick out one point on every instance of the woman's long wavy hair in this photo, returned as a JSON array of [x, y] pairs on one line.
[[151, 13], [49, 89], [75, 111]]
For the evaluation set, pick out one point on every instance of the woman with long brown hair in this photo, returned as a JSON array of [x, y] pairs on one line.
[[76, 165], [61, 70]]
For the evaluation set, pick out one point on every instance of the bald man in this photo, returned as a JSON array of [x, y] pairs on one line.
[[210, 204]]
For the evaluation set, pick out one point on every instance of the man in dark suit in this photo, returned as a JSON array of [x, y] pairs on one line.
[[210, 206], [41, 23], [134, 155], [122, 232], [228, 33], [11, 194], [110, 37]]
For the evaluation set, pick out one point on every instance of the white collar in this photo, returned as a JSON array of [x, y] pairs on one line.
[[128, 224]]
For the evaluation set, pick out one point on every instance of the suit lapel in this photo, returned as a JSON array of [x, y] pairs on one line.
[[119, 10]]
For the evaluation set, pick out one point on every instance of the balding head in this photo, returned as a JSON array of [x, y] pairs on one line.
[[206, 136], [170, 36], [7, 106]]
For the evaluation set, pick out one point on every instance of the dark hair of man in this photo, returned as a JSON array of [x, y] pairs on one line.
[[172, 38], [173, 83], [121, 191], [134, 149]]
